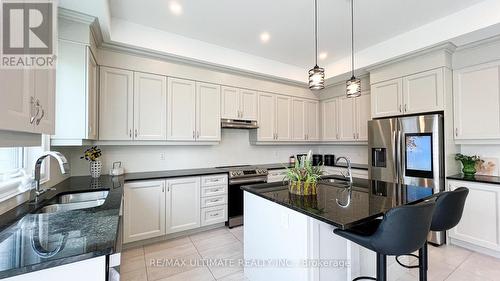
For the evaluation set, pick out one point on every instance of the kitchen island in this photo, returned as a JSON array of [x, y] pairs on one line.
[[289, 237]]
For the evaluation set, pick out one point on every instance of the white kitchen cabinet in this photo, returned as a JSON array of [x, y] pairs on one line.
[[239, 104], [214, 198], [283, 118], [208, 126], [116, 105], [329, 120], [312, 120], [363, 114], [181, 124], [477, 102], [480, 223], [347, 119], [266, 117], [16, 107], [213, 215], [423, 92], [45, 89], [299, 121], [143, 210], [150, 106], [182, 204], [387, 98], [77, 95]]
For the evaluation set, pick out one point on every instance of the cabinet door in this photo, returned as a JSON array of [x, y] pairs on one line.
[[45, 92], [329, 120], [283, 117], [207, 112], [183, 204], [92, 97], [15, 100], [347, 119], [312, 117], [387, 98], [143, 210], [230, 103], [150, 106], [362, 117], [480, 220], [298, 120], [477, 102], [248, 104], [181, 125], [266, 120], [116, 107], [423, 92]]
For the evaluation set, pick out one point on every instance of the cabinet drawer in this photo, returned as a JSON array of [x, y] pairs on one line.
[[213, 201], [213, 190], [213, 215], [214, 180]]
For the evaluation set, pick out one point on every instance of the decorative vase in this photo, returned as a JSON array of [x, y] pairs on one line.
[[469, 168], [302, 188], [95, 168]]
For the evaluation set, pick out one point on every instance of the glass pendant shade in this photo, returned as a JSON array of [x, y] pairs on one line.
[[317, 78], [353, 87]]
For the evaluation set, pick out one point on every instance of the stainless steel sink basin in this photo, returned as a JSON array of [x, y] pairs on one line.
[[76, 201]]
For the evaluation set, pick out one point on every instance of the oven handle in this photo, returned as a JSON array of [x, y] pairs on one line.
[[248, 180]]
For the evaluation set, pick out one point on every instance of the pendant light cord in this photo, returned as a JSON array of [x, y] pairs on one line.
[[352, 37], [316, 31]]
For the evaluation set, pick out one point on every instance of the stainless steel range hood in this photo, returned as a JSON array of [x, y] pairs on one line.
[[238, 124]]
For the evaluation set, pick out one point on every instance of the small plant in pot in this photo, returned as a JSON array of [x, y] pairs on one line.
[[468, 163], [92, 155], [303, 177]]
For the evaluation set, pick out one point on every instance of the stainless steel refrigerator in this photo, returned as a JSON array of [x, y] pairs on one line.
[[409, 151]]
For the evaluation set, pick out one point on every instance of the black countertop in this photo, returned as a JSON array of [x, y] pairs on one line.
[[476, 178], [368, 199], [80, 234]]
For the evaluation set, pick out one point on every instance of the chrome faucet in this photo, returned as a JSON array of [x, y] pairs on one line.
[[349, 169], [63, 165]]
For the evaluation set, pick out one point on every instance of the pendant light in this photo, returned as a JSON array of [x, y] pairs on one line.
[[316, 74], [353, 85]]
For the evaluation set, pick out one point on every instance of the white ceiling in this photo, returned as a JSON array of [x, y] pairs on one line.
[[236, 24]]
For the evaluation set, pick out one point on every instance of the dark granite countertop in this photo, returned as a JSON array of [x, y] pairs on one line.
[[476, 178], [172, 174], [353, 165], [68, 236], [368, 199]]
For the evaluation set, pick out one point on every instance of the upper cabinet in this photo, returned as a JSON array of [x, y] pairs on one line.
[[116, 105], [274, 118], [312, 120], [477, 119], [28, 100], [150, 106], [417, 93], [238, 103], [346, 119], [305, 120], [193, 111], [283, 112]]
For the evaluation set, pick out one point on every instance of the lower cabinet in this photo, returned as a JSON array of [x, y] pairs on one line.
[[479, 228], [183, 204], [154, 208]]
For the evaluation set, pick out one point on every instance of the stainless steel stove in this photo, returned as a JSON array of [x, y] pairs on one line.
[[239, 176]]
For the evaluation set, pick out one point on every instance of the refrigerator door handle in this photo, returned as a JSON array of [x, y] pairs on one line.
[[399, 157], [394, 155]]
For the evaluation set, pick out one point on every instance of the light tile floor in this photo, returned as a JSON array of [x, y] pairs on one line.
[[447, 263]]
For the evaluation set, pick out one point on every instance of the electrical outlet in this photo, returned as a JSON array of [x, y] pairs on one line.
[[162, 156]]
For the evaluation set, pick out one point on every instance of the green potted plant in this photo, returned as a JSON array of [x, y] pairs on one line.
[[93, 155], [468, 163], [303, 177]]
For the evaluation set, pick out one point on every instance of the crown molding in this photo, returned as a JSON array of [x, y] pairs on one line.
[[480, 43]]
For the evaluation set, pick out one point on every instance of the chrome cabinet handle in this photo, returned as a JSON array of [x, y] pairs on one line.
[[34, 104], [163, 189], [41, 116], [406, 107], [194, 134], [135, 133], [456, 132], [130, 133], [400, 108], [197, 134], [214, 215]]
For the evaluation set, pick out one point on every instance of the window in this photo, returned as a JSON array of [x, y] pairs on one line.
[[17, 166]]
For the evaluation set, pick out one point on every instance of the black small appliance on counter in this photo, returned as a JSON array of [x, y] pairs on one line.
[[329, 160]]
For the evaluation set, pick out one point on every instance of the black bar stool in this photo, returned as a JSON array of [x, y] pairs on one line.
[[402, 230], [447, 214]]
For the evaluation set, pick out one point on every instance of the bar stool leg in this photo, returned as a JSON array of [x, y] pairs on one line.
[[381, 267], [423, 262]]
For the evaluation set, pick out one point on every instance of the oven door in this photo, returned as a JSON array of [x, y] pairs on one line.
[[235, 198]]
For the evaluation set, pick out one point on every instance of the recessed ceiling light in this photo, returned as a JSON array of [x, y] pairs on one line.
[[175, 8], [323, 55], [264, 37]]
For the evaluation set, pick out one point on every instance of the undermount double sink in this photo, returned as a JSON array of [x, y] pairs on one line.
[[76, 201]]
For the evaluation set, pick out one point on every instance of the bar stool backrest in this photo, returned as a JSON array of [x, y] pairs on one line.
[[449, 209]]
